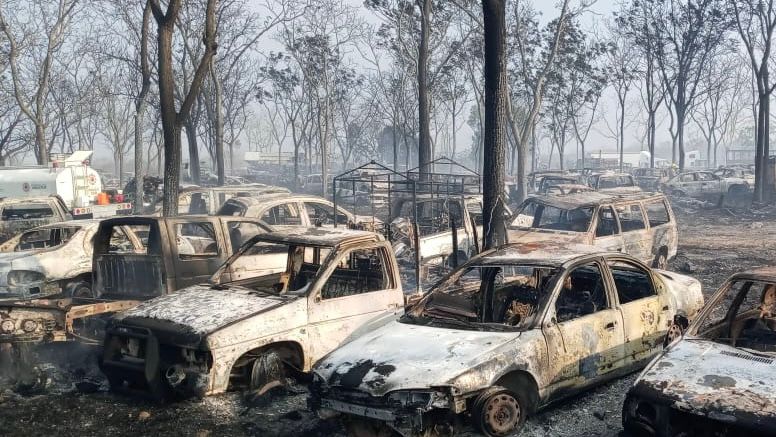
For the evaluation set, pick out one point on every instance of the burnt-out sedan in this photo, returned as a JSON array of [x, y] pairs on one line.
[[717, 380], [512, 330]]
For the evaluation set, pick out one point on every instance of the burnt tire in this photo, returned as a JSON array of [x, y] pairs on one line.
[[500, 412], [80, 289], [267, 372]]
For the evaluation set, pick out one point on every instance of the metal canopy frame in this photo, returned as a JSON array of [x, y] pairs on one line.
[[380, 181], [374, 180]]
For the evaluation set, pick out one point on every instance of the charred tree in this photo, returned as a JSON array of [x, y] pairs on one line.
[[424, 112], [172, 120], [495, 134]]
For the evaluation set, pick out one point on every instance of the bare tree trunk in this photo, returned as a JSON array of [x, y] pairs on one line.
[[495, 134], [140, 107], [219, 125], [173, 121], [424, 116]]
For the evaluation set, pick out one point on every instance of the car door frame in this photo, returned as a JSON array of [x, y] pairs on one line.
[[322, 317], [185, 274], [654, 310], [643, 241], [617, 235], [575, 374]]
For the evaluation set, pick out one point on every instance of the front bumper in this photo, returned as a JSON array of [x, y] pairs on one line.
[[645, 413], [419, 410], [135, 361]]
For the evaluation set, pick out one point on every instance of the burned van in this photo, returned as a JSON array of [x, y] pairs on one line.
[[639, 224]]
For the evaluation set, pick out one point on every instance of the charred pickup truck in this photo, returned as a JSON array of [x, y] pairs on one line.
[[640, 224], [248, 332], [716, 380], [507, 333], [163, 255]]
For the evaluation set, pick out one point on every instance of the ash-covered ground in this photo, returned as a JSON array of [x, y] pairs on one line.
[[714, 243]]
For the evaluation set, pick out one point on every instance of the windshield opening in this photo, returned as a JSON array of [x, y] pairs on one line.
[[508, 297], [744, 317], [27, 211], [537, 215], [275, 268], [45, 238]]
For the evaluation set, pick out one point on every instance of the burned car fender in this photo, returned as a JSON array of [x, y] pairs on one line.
[[684, 293], [225, 358]]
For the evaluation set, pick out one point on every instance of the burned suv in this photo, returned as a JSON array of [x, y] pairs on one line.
[[246, 331], [718, 379], [640, 224]]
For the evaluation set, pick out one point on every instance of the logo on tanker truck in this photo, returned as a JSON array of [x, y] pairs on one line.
[[27, 187]]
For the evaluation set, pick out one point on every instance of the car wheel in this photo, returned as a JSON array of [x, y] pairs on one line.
[[499, 412], [80, 289], [268, 371]]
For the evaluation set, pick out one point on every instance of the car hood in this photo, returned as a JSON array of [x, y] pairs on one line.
[[711, 379], [406, 356], [202, 309]]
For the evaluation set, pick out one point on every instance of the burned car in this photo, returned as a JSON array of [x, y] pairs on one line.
[[165, 254], [512, 330], [716, 380], [651, 179], [706, 185], [640, 224], [249, 331], [615, 182], [18, 215], [54, 259], [293, 210]]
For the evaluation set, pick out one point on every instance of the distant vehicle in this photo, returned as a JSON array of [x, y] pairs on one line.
[[18, 215], [615, 182], [513, 330], [208, 200], [535, 179], [54, 259], [736, 172], [639, 224], [706, 185], [291, 210], [553, 180], [72, 180], [250, 331], [563, 189], [651, 179], [716, 377], [313, 184]]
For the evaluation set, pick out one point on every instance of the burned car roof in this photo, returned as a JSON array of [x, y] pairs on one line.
[[759, 274], [318, 236], [576, 200], [544, 253], [262, 199]]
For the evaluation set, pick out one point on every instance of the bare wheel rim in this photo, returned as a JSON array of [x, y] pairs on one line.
[[267, 373], [674, 332], [501, 414], [82, 291]]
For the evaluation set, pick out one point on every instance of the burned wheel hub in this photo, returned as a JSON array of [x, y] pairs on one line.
[[674, 332], [501, 414]]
